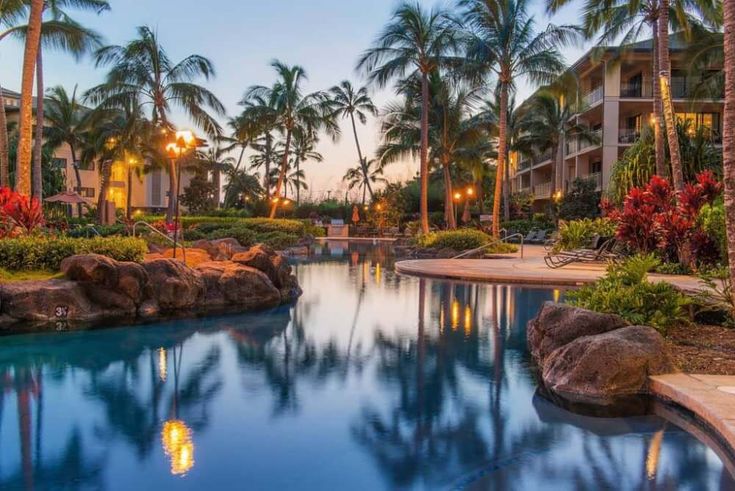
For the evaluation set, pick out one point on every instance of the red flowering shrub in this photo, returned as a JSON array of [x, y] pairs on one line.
[[655, 219], [19, 214]]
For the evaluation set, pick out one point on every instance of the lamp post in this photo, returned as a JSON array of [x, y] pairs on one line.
[[457, 200], [183, 143]]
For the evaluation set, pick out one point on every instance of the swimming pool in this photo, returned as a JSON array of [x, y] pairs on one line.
[[370, 381]]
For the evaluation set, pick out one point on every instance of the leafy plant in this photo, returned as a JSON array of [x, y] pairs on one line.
[[19, 214], [626, 291], [717, 294], [582, 201], [579, 233], [459, 240]]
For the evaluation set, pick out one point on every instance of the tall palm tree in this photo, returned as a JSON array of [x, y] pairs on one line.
[[357, 177], [10, 12], [240, 186], [348, 102], [261, 120], [729, 135], [142, 71], [503, 41], [304, 143], [68, 125], [295, 181], [213, 161], [30, 55], [547, 124], [415, 41], [293, 109]]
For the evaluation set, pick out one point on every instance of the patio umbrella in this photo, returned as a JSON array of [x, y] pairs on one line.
[[355, 214], [66, 197]]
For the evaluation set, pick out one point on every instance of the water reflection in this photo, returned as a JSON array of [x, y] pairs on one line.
[[370, 381]]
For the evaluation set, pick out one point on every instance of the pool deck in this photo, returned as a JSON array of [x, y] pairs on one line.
[[710, 397], [529, 270]]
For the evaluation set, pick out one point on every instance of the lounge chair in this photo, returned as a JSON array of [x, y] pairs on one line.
[[599, 250], [540, 237]]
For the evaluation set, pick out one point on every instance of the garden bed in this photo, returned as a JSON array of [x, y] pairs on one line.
[[703, 349]]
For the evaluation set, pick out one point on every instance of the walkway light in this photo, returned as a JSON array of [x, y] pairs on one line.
[[457, 196], [184, 142], [470, 191]]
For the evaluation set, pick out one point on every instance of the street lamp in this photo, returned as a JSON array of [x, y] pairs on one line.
[[184, 142], [457, 199]]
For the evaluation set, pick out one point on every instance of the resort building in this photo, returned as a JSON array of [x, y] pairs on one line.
[[616, 94], [148, 186]]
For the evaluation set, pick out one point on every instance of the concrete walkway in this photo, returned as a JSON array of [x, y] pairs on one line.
[[529, 270], [710, 397]]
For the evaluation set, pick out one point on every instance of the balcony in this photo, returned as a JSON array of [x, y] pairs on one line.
[[597, 178], [626, 136], [594, 96], [542, 191], [525, 164], [636, 90], [576, 145]]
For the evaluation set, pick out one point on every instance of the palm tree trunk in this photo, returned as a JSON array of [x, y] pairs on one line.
[[282, 175], [267, 178], [480, 195], [217, 181], [557, 182], [128, 206], [658, 136], [364, 193], [298, 182], [363, 164], [502, 146], [448, 196], [78, 176], [665, 66], [506, 188], [424, 158], [38, 140], [4, 159], [172, 186], [729, 135], [25, 129], [105, 169]]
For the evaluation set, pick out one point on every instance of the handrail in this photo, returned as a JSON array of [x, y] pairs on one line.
[[154, 229], [492, 242]]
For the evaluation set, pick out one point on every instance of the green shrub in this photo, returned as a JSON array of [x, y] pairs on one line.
[[313, 230], [712, 220], [277, 240], [459, 240], [46, 253], [264, 225], [525, 226], [626, 291], [579, 233], [244, 235], [102, 230]]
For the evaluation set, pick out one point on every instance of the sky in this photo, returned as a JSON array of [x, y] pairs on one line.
[[242, 37]]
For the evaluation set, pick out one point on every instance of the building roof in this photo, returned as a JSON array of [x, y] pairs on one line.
[[10, 93]]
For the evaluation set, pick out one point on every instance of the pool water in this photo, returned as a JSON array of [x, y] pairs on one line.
[[370, 381]]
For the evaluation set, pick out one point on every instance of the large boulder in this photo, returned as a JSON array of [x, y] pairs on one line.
[[49, 301], [220, 249], [232, 284], [172, 285], [603, 368], [559, 324], [109, 283], [275, 266]]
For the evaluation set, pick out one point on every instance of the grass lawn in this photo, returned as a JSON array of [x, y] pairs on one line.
[[9, 276]]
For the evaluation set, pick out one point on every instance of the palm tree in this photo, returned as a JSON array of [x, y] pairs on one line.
[[213, 161], [68, 125], [30, 55], [348, 102], [547, 123], [415, 41], [292, 109], [360, 176], [503, 41], [261, 121], [240, 186], [729, 135], [303, 150], [143, 72]]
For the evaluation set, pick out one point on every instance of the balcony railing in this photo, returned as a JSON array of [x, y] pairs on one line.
[[542, 191], [636, 90], [593, 96], [575, 145], [597, 177], [628, 135], [525, 164]]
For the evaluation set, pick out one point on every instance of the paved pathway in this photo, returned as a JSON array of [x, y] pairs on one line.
[[529, 270]]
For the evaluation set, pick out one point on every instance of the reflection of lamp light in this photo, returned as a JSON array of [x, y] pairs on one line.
[[467, 320], [162, 364], [178, 446], [378, 273], [557, 295], [654, 453], [455, 314]]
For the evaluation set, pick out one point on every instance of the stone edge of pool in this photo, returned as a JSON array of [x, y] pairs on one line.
[[703, 396], [700, 394]]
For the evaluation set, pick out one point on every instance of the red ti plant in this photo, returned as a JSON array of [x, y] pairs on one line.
[[654, 219], [19, 214]]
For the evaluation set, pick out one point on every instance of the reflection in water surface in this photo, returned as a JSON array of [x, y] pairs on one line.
[[371, 381]]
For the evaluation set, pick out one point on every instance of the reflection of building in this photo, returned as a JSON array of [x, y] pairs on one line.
[[149, 190], [616, 94]]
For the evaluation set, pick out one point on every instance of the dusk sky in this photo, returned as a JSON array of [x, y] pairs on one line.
[[241, 38]]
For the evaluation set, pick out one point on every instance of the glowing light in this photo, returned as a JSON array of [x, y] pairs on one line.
[[286, 202], [557, 196], [275, 200], [378, 207], [653, 455], [455, 314], [457, 196], [178, 446], [366, 207], [187, 137], [470, 191], [557, 295], [467, 320], [162, 364], [378, 273]]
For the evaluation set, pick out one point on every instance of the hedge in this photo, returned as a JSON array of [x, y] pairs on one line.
[[459, 240], [261, 225], [44, 253]]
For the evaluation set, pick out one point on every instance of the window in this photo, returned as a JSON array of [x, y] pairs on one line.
[[86, 192], [82, 165], [709, 121], [58, 163]]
